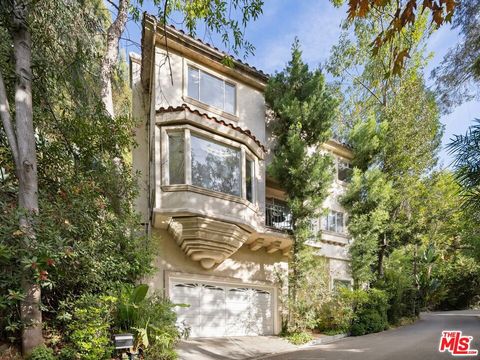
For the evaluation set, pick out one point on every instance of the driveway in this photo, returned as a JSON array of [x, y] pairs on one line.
[[418, 341], [232, 348]]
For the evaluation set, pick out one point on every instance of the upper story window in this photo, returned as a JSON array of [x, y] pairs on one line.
[[196, 159], [211, 90], [344, 170], [334, 222]]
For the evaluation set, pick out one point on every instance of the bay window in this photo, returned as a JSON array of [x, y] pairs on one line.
[[211, 90], [215, 167], [211, 163]]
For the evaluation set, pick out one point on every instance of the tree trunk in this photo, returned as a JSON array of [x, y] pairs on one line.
[[111, 55], [26, 170], [381, 256]]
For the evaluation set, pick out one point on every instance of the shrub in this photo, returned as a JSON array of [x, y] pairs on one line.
[[336, 315], [370, 308], [299, 338], [41, 353], [152, 320], [89, 329]]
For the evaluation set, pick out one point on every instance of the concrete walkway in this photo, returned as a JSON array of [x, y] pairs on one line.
[[233, 348]]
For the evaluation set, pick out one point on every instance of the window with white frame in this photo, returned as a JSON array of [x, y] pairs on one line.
[[216, 167], [211, 90], [334, 222], [344, 170], [196, 159]]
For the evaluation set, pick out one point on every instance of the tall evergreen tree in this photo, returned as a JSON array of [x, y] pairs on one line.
[[305, 109]]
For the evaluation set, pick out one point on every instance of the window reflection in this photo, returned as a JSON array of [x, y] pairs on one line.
[[215, 167]]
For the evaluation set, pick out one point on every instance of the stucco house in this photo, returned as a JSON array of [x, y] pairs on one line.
[[220, 225]]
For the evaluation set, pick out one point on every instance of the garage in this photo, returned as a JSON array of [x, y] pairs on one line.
[[223, 310]]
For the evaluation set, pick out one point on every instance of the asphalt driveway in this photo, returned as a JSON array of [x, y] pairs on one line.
[[418, 341]]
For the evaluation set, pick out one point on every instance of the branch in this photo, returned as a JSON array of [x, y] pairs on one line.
[[364, 86], [113, 4], [7, 122], [165, 8]]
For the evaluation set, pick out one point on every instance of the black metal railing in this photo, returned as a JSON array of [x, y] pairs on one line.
[[278, 216]]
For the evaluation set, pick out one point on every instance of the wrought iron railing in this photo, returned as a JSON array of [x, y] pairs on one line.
[[278, 216]]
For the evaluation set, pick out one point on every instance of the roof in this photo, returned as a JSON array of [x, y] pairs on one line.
[[180, 37], [212, 118], [259, 72]]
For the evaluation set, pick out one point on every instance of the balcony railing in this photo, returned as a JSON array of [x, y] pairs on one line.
[[278, 216]]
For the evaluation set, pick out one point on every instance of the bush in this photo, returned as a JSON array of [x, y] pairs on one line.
[[152, 320], [89, 329], [299, 338], [42, 353], [370, 308], [336, 315]]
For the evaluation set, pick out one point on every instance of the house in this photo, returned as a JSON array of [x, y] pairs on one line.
[[220, 225]]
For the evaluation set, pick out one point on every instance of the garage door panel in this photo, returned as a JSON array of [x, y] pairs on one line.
[[221, 310]]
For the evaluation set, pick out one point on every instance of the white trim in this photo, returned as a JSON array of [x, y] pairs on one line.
[[170, 276], [187, 63], [208, 136]]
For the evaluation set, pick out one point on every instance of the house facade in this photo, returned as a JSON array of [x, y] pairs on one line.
[[220, 226]]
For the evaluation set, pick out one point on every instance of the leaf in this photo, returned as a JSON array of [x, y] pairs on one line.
[[139, 294], [17, 233]]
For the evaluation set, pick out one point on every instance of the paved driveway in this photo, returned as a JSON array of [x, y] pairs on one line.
[[418, 341]]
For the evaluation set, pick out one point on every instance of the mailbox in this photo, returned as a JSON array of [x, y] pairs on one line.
[[123, 341]]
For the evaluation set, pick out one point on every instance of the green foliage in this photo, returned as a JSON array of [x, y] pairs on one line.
[[335, 316], [87, 225], [299, 338], [42, 353], [305, 109], [398, 285], [368, 201], [467, 157], [152, 320], [312, 292], [370, 312], [89, 328]]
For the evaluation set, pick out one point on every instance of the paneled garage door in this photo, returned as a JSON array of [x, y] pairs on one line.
[[221, 310]]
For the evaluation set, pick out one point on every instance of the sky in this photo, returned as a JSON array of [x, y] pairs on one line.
[[317, 25]]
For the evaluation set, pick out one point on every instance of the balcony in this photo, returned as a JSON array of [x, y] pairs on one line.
[[277, 215]]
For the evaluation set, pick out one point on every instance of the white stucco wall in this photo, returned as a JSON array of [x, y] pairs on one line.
[[243, 267], [250, 109]]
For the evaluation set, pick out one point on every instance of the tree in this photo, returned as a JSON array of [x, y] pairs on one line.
[[60, 61], [458, 74], [400, 17], [21, 139], [395, 138], [305, 110], [467, 157], [216, 16]]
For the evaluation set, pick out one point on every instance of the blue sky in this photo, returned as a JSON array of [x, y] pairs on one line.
[[317, 25]]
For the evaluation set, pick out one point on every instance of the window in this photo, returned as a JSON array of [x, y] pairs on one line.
[[176, 158], [334, 222], [339, 284], [195, 159], [211, 90], [215, 167], [344, 170], [249, 176]]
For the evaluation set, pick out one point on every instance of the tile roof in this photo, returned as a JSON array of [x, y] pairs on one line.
[[211, 118], [258, 71]]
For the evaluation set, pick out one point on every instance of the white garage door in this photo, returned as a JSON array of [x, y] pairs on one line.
[[220, 310]]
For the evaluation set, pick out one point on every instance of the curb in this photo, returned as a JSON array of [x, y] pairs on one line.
[[325, 340], [320, 341]]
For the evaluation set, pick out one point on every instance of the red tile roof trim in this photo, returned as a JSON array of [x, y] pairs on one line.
[[212, 118]]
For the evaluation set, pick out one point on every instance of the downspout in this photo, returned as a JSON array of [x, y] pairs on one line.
[[149, 128]]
